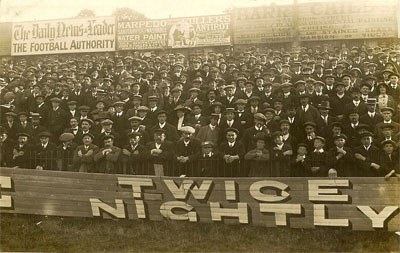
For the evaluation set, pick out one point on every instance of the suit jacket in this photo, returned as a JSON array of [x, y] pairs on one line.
[[170, 131], [45, 157], [237, 149], [345, 166], [107, 163], [134, 157], [79, 98], [395, 93], [23, 161], [64, 157], [206, 134], [229, 104], [85, 163], [121, 123], [372, 155], [248, 137], [371, 122], [143, 140], [295, 127], [57, 121], [134, 163], [200, 120], [27, 129], [325, 129], [223, 125], [166, 156], [11, 130], [99, 139], [245, 118], [390, 163], [339, 104], [316, 159], [310, 115], [6, 152], [361, 108], [192, 150], [378, 130]]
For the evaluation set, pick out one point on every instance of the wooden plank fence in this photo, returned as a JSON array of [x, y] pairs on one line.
[[355, 203]]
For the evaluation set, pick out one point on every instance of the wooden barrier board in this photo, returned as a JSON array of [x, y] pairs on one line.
[[355, 203]]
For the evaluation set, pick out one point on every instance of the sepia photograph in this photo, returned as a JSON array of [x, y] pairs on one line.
[[200, 126]]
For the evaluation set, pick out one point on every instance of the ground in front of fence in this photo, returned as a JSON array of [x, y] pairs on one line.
[[39, 233]]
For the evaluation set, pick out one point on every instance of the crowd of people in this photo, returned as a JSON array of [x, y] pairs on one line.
[[317, 111]]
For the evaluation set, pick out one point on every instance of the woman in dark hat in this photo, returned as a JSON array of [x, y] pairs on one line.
[[181, 117], [383, 99]]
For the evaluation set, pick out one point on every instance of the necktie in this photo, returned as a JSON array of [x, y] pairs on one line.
[[326, 120]]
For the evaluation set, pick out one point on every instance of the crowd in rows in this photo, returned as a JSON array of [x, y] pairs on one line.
[[260, 112]]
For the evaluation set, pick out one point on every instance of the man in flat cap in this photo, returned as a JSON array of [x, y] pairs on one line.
[[22, 152], [258, 127], [338, 101], [65, 152], [187, 152], [367, 157], [83, 158], [72, 109], [120, 118], [306, 112], [44, 153], [210, 132], [170, 131], [57, 118], [243, 114], [232, 152], [390, 160], [229, 121], [325, 120], [394, 86], [160, 154], [231, 97], [23, 124], [107, 128], [133, 153], [10, 124], [135, 123], [209, 160], [387, 113], [316, 165], [107, 158], [41, 107], [340, 158], [372, 117], [6, 148], [356, 102]]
